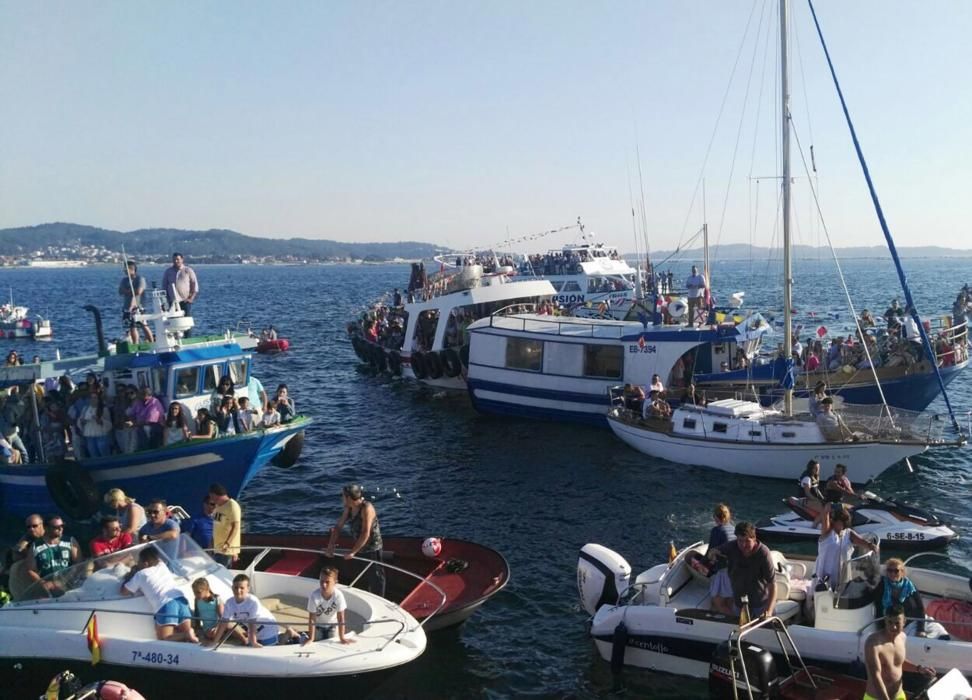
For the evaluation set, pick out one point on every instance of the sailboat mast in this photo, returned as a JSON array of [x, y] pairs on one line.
[[787, 264]]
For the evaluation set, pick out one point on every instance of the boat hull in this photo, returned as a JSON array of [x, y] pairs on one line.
[[485, 574], [179, 473], [543, 404], [866, 460]]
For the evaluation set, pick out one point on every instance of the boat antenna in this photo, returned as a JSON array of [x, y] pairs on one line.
[[912, 309], [785, 150]]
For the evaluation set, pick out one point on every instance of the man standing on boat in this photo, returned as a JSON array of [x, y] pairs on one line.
[[227, 525], [131, 289], [697, 286], [180, 284]]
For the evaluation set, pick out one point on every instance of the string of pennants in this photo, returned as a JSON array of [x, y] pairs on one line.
[[532, 236]]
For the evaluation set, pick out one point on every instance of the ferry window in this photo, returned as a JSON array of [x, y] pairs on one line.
[[186, 381], [558, 285], [755, 433], [603, 361], [524, 354], [720, 427], [211, 380], [689, 424], [237, 371], [788, 434], [571, 286], [594, 284]]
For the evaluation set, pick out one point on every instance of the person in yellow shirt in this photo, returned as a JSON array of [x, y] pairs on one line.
[[227, 524]]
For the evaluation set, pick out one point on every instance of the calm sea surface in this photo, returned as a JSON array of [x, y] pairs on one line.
[[535, 491]]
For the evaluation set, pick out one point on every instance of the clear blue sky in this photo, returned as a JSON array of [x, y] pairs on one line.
[[453, 122]]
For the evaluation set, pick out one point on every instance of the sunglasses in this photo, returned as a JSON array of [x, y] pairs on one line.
[[57, 527], [153, 512]]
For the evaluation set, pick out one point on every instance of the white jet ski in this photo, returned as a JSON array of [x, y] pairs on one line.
[[898, 525]]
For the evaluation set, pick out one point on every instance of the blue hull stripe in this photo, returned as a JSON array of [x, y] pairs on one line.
[[550, 394]]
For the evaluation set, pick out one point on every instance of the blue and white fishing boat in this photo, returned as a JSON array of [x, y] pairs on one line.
[[563, 368], [176, 369]]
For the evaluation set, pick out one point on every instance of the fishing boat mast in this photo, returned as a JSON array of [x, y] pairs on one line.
[[787, 264]]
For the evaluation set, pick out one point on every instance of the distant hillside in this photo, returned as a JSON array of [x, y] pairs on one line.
[[213, 244], [744, 251]]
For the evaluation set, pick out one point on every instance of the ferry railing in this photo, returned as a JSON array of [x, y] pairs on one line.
[[560, 325]]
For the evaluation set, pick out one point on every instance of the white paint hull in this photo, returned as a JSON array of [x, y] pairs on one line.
[[865, 460]]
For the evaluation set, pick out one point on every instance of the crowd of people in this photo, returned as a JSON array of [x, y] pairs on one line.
[[89, 421], [216, 527], [562, 262]]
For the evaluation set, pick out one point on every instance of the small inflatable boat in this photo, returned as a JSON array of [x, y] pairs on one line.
[[268, 347], [898, 525]]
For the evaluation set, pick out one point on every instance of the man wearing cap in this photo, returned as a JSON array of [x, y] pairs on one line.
[[363, 523], [831, 425]]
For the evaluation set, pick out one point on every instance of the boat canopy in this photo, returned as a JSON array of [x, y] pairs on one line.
[[180, 356]]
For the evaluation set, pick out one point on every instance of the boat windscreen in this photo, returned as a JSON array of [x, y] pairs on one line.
[[100, 578]]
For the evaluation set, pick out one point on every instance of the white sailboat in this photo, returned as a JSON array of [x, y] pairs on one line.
[[743, 437]]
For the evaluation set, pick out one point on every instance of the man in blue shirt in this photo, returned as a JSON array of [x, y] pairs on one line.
[[159, 527], [200, 527]]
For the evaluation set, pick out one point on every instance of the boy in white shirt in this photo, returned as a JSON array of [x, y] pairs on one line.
[[270, 417], [152, 578], [326, 606], [242, 607]]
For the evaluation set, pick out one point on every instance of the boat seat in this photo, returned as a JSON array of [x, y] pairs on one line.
[[288, 609], [293, 563]]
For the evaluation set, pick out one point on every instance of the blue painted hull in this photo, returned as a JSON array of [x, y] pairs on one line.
[[180, 473], [572, 407], [913, 392]]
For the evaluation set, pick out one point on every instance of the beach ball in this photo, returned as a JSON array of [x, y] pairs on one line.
[[432, 547]]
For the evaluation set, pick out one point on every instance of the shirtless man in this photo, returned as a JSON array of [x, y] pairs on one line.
[[884, 655]]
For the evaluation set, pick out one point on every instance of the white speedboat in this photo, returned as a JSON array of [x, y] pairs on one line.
[[423, 337], [663, 620], [16, 322], [39, 632], [896, 524]]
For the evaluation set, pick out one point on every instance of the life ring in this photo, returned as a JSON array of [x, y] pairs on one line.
[[434, 363], [290, 453], [677, 308], [419, 367], [73, 490], [395, 363], [579, 269], [381, 362], [451, 364]]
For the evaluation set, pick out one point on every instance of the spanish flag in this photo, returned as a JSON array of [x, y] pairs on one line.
[[94, 643]]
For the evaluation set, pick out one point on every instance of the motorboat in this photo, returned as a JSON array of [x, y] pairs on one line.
[[268, 346], [663, 619], [423, 337], [897, 524], [177, 369], [468, 573], [563, 368], [16, 322], [40, 631]]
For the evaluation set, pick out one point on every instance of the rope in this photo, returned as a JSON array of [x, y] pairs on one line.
[[926, 342]]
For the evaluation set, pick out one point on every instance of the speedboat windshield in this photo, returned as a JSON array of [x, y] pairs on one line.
[[100, 578]]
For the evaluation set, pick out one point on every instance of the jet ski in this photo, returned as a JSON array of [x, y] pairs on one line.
[[899, 525]]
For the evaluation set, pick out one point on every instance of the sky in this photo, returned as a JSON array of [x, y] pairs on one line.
[[471, 123]]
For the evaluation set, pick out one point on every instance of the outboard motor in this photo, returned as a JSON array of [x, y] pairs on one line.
[[760, 667], [602, 576]]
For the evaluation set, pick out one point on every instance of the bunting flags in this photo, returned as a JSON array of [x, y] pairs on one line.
[[821, 331], [94, 643]]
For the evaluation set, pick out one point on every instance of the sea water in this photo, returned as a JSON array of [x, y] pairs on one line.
[[534, 491]]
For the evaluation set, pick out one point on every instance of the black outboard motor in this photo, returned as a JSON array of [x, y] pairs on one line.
[[760, 667]]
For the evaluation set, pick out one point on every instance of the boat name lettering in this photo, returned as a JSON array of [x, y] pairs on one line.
[[684, 620], [657, 647], [155, 657], [568, 298], [646, 348], [906, 535]]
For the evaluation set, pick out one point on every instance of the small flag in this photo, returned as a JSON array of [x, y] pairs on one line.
[[672, 553], [54, 689], [641, 341], [94, 643], [821, 331]]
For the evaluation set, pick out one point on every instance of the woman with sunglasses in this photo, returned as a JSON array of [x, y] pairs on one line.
[[895, 588]]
